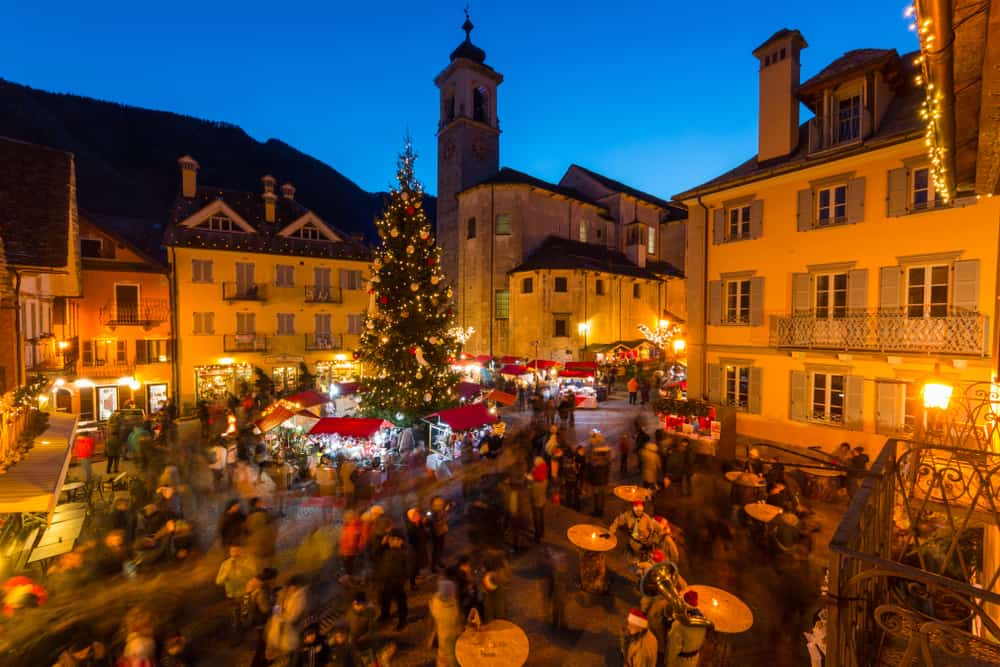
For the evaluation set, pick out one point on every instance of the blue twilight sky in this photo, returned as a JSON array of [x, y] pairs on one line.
[[661, 95]]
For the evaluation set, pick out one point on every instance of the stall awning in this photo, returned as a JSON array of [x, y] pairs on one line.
[[33, 485], [501, 397], [348, 388], [273, 419], [581, 366], [484, 358], [466, 417], [543, 364], [308, 399], [468, 390], [507, 359], [513, 369], [465, 362], [571, 373], [618, 344], [349, 427]]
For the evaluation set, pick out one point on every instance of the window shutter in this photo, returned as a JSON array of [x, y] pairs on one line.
[[857, 290], [756, 302], [855, 200], [719, 226], [121, 352], [805, 213], [889, 296], [755, 393], [715, 302], [88, 353], [345, 279], [140, 352], [854, 402], [965, 292], [798, 396], [715, 383], [209, 323], [887, 406], [899, 180], [756, 218], [169, 347], [801, 292]]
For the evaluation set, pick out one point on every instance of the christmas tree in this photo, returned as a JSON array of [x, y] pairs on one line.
[[407, 341]]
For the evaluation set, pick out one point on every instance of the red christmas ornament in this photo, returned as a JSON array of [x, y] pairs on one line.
[[371, 290], [413, 350], [410, 210], [430, 261], [383, 300], [357, 355]]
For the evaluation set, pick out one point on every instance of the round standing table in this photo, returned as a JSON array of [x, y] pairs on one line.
[[496, 644], [762, 511], [729, 614], [630, 494], [747, 487], [822, 484], [593, 545]]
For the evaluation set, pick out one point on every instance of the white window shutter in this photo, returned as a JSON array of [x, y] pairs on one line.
[[890, 295], [857, 290], [801, 293], [755, 393], [965, 288], [805, 212], [715, 383], [756, 302], [798, 404], [719, 226], [854, 402], [888, 406], [855, 200], [756, 218], [898, 201], [715, 302]]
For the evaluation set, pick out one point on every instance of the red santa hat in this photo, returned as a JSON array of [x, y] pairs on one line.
[[691, 598], [637, 618], [663, 523], [638, 504]]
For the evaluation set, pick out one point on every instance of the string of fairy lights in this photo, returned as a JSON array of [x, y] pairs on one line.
[[930, 108]]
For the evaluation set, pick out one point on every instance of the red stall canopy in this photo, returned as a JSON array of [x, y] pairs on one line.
[[350, 427], [276, 417], [581, 365], [544, 364], [507, 359], [468, 390], [308, 399], [484, 358], [513, 369], [466, 417], [573, 373], [501, 397], [348, 388]]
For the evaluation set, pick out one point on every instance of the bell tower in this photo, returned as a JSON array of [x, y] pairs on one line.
[[468, 137]]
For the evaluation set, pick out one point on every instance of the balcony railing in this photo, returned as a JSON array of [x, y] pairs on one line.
[[40, 355], [324, 294], [146, 313], [244, 292], [106, 368], [826, 133], [244, 342], [957, 333], [324, 341]]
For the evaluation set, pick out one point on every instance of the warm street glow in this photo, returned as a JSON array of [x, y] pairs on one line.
[[679, 345], [63, 344], [226, 361], [937, 395], [582, 328]]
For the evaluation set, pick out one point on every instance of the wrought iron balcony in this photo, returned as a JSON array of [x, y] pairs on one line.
[[324, 341], [147, 313], [881, 331], [244, 342], [324, 294], [106, 368], [40, 356], [243, 292]]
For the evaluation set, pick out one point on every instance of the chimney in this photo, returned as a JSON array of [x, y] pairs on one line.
[[189, 175], [778, 119], [288, 191], [270, 199]]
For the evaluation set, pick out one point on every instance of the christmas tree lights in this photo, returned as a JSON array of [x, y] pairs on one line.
[[407, 340]]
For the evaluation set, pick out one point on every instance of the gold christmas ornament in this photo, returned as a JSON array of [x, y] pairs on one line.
[[419, 375], [414, 287], [410, 249], [394, 232], [428, 397], [404, 314], [435, 280], [424, 234], [449, 292]]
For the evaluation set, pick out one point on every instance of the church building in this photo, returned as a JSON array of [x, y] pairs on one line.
[[547, 270]]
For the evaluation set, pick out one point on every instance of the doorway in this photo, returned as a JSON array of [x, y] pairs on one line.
[[127, 303], [156, 397], [107, 402]]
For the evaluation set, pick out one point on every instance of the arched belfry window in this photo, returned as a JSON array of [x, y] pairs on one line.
[[448, 106], [480, 105]]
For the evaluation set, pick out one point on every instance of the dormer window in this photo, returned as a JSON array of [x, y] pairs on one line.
[[924, 194], [849, 118], [220, 223], [309, 232]]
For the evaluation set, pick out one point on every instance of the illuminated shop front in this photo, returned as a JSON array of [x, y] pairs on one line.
[[218, 381], [340, 369]]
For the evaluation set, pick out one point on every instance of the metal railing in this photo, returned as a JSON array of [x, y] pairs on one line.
[[145, 313], [244, 292], [244, 342], [324, 341], [106, 368], [956, 333], [324, 294]]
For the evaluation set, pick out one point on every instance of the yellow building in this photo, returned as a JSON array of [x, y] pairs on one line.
[[259, 282], [827, 280]]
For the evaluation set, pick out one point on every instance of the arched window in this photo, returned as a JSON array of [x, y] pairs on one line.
[[480, 105], [448, 107]]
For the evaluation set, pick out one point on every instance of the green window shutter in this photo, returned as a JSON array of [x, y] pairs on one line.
[[755, 394], [854, 402], [801, 292], [855, 200], [756, 302], [965, 289], [798, 403], [715, 302], [888, 400], [805, 212], [889, 288], [899, 181], [719, 226], [857, 290], [140, 352], [756, 218], [715, 383]]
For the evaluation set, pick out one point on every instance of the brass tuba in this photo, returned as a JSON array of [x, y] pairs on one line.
[[661, 579]]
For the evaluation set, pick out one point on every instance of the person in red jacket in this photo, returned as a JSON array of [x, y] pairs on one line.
[[83, 450], [350, 541]]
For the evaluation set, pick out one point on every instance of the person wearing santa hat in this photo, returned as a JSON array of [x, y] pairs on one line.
[[685, 638], [664, 540], [638, 645], [642, 530], [539, 480]]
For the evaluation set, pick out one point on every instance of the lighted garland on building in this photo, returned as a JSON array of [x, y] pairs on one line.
[[930, 108], [407, 339]]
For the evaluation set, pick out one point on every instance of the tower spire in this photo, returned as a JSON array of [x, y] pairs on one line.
[[467, 26]]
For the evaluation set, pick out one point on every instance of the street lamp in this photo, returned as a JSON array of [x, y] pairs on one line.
[[937, 396], [583, 328]]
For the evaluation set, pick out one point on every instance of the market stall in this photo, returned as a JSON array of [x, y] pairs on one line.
[[346, 398], [449, 427], [501, 398], [468, 391], [284, 425], [362, 439], [691, 419]]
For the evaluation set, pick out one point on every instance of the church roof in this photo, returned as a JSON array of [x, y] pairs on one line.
[[508, 176], [618, 186], [560, 253]]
